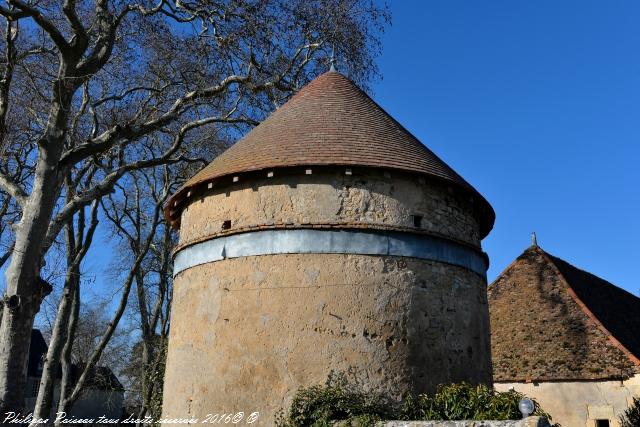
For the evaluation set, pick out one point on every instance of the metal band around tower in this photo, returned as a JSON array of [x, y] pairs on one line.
[[309, 241]]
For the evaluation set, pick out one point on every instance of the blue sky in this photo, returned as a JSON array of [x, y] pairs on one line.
[[537, 104]]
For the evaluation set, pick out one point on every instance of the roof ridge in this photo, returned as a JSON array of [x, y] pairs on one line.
[[508, 268], [585, 309], [553, 258], [514, 263]]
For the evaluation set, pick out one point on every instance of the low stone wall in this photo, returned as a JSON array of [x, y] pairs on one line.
[[527, 422]]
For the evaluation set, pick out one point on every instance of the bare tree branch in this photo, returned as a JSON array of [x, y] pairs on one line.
[[7, 77], [14, 190], [45, 24], [12, 15], [73, 396], [147, 100], [7, 254], [69, 9], [118, 132]]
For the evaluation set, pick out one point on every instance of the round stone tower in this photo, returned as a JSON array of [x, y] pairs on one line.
[[328, 239]]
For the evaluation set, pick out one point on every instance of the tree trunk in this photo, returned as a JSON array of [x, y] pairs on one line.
[[147, 345], [44, 401], [67, 399], [65, 382], [25, 289]]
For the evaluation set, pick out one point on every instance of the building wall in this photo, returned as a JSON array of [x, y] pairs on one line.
[[579, 404], [329, 196], [246, 333], [92, 402]]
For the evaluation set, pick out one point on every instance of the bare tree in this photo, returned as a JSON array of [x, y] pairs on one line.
[[94, 85], [130, 218], [134, 211], [14, 165], [78, 243], [70, 393]]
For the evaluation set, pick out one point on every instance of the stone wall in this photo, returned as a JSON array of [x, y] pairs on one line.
[[370, 198], [246, 333], [580, 403]]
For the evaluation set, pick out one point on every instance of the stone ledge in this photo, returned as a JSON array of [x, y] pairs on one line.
[[528, 422]]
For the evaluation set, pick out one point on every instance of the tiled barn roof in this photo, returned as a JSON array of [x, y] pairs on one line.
[[332, 122], [553, 321]]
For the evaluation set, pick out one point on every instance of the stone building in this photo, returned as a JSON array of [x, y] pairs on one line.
[[327, 239], [566, 338]]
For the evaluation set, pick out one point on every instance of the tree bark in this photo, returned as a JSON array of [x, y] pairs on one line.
[[65, 382], [25, 289], [44, 401], [68, 399], [77, 248]]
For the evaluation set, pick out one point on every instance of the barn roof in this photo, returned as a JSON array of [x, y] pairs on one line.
[[331, 121], [552, 321], [99, 377]]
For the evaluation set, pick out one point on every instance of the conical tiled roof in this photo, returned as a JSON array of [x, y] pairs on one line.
[[332, 122], [553, 321]]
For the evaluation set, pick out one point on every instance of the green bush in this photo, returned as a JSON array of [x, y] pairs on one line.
[[337, 400], [465, 402], [322, 406], [631, 417]]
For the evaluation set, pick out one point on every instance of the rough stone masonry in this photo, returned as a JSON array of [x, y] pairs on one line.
[[357, 252]]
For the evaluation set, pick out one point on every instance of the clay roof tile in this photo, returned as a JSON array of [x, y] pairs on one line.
[[332, 122], [552, 321]]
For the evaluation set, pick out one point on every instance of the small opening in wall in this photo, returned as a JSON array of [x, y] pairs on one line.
[[602, 423], [226, 224], [417, 221]]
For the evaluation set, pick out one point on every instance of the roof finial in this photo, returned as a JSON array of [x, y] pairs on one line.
[[332, 61], [534, 240]]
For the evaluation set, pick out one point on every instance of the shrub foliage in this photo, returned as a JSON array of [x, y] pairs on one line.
[[466, 402], [321, 406], [337, 400], [631, 417]]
